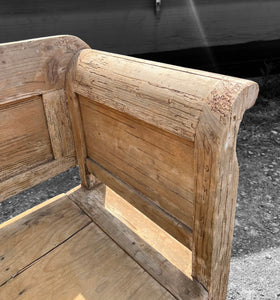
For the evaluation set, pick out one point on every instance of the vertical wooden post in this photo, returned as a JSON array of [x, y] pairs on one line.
[[87, 179], [216, 187]]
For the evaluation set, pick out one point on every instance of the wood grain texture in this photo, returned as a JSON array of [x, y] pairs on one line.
[[202, 108], [171, 225], [180, 285], [141, 89], [35, 66], [168, 97], [30, 235], [30, 178], [89, 265], [30, 139], [24, 138], [217, 179], [154, 162], [59, 125], [199, 107], [77, 124]]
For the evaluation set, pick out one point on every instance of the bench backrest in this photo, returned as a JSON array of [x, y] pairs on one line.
[[36, 140], [164, 138]]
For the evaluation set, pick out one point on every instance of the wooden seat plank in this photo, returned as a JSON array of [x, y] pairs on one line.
[[33, 233], [87, 266]]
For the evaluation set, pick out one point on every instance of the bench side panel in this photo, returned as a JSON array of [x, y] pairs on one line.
[[111, 96], [157, 164], [135, 134], [216, 170]]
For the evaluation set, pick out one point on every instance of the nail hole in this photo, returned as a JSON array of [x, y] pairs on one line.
[[21, 292]]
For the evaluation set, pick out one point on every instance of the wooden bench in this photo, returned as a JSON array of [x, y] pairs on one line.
[[155, 146]]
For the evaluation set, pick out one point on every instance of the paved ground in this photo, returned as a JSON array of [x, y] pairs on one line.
[[255, 276]]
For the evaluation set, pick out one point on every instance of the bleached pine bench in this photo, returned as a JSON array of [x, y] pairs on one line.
[[155, 145]]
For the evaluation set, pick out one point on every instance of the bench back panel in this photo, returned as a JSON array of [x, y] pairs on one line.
[[154, 162], [24, 137], [36, 140]]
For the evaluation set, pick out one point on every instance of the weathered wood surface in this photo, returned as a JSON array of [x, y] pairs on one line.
[[35, 66], [27, 237], [24, 138], [216, 170], [59, 125], [157, 164], [36, 140], [138, 88], [168, 97], [34, 146], [201, 109], [76, 120], [131, 27], [75, 259], [180, 284]]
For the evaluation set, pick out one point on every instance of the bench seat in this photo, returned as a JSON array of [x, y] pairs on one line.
[[55, 251]]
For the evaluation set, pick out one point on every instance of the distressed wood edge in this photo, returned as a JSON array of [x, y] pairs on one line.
[[216, 170], [181, 286], [32, 177], [222, 87], [228, 100], [174, 227]]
